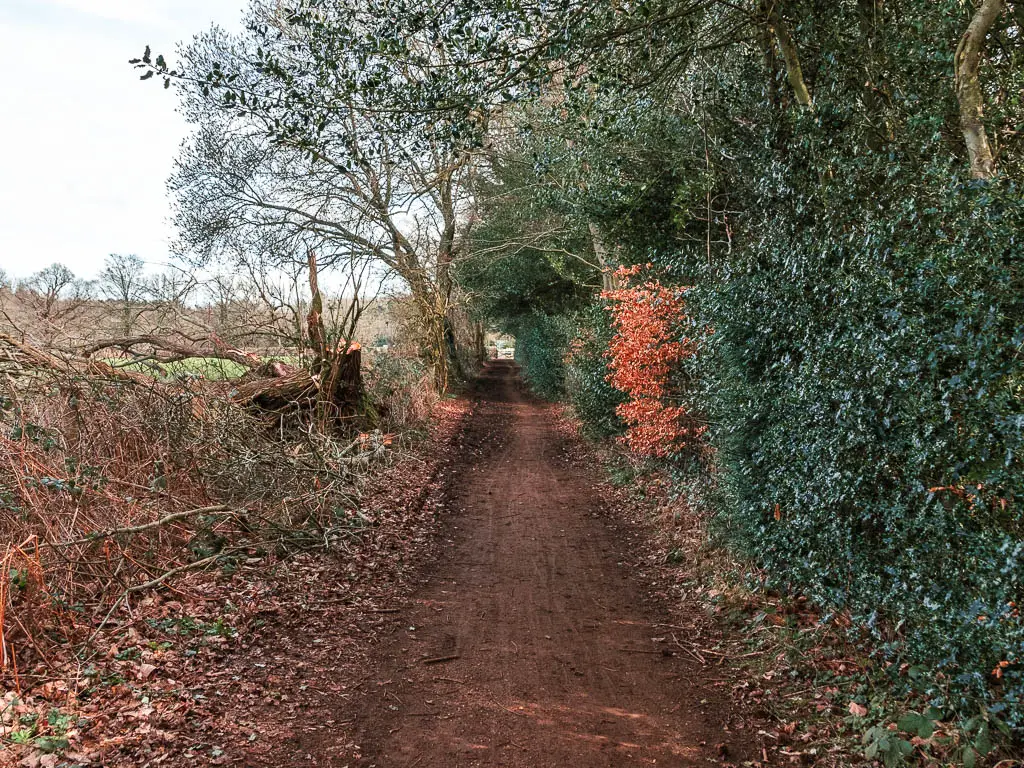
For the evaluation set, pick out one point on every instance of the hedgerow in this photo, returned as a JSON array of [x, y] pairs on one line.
[[871, 428], [594, 400], [541, 341]]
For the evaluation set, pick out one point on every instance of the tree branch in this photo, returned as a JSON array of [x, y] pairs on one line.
[[967, 62]]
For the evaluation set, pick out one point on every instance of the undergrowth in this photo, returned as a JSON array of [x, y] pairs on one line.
[[110, 490]]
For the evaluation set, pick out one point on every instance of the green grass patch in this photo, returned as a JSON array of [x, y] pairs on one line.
[[213, 368]]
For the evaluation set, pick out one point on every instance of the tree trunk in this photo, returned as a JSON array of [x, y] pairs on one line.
[[870, 17], [479, 342], [315, 318], [609, 278], [437, 350], [791, 58], [337, 388], [335, 372], [767, 42], [967, 62]]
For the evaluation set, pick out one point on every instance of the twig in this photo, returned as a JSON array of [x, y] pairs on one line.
[[692, 651], [46, 659], [512, 711], [730, 656], [154, 583], [99, 535]]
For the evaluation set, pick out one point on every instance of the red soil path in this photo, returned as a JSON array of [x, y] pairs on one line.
[[530, 644]]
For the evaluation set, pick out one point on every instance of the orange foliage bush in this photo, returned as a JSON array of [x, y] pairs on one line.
[[647, 347]]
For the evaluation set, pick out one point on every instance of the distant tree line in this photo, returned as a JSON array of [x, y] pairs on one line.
[[126, 301]]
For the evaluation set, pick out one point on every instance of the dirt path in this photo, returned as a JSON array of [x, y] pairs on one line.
[[531, 644]]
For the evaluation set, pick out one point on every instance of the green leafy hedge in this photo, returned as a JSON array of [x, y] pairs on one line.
[[871, 386], [541, 342], [862, 369], [593, 399]]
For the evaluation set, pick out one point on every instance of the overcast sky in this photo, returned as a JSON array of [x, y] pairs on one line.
[[85, 148]]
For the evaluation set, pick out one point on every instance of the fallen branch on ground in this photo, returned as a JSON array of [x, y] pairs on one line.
[[175, 350], [100, 535], [157, 582]]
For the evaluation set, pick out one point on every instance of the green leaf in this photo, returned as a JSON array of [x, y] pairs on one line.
[[915, 723], [983, 743], [1002, 727], [910, 722], [52, 743]]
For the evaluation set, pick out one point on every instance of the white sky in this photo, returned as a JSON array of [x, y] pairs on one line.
[[85, 148]]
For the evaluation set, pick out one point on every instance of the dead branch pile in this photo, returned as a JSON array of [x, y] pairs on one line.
[[333, 383], [113, 483], [331, 386]]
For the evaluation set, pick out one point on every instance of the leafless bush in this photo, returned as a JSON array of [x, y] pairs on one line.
[[400, 391], [112, 487]]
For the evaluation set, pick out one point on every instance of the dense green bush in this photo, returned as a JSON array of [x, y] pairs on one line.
[[593, 399], [563, 357], [541, 344], [851, 381], [865, 372]]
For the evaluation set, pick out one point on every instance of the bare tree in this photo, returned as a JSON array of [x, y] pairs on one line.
[[366, 194], [270, 295], [55, 296], [123, 282], [223, 292], [51, 284], [170, 291]]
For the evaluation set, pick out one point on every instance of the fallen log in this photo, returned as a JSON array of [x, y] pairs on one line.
[[293, 390], [336, 382], [166, 350]]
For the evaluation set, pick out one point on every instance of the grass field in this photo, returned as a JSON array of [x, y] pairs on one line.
[[208, 367]]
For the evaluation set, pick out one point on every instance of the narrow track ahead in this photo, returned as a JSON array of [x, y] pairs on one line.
[[530, 644]]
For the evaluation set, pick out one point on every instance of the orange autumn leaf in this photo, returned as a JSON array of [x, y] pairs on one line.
[[644, 352]]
